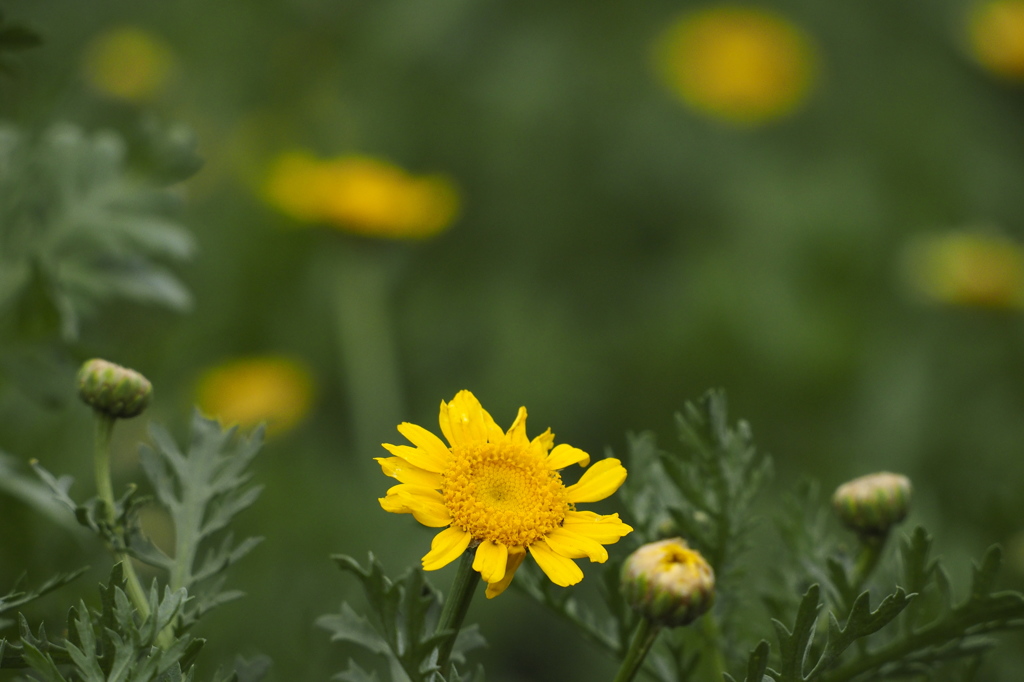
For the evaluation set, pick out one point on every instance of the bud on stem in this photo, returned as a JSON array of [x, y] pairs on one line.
[[113, 390], [871, 505], [668, 583]]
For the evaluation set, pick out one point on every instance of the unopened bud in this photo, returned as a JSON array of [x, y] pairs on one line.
[[873, 504], [113, 390], [668, 583]]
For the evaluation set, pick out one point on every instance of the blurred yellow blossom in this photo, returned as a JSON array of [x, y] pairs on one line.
[[248, 391], [997, 36], [129, 63], [968, 268], [740, 64], [362, 195]]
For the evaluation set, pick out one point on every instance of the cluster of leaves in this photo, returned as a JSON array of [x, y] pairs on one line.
[[202, 491], [931, 628], [403, 628], [114, 644]]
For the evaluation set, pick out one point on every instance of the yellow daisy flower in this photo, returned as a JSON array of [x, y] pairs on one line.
[[501, 492]]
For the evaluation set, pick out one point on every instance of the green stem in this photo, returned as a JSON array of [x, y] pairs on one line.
[[363, 276], [714, 641], [871, 548], [643, 638], [105, 491], [456, 606]]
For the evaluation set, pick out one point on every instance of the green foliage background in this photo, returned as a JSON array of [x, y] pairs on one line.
[[616, 255]]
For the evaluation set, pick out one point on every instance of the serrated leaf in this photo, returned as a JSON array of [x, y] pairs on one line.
[[793, 644], [351, 627], [355, 674]]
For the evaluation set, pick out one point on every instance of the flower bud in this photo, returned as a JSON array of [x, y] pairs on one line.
[[113, 390], [668, 583], [873, 504]]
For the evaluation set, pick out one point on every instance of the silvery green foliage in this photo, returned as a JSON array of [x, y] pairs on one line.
[[202, 489], [79, 227], [401, 628], [17, 598]]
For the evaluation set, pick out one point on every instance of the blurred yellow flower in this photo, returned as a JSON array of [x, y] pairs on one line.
[[997, 36], [739, 64], [275, 390], [968, 268], [362, 195], [129, 63]]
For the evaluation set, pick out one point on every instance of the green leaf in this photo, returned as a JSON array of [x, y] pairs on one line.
[[757, 664], [351, 627], [793, 644]]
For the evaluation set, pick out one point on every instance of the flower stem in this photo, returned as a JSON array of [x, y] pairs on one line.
[[105, 491], [643, 638], [714, 639], [871, 547], [456, 606], [364, 276]]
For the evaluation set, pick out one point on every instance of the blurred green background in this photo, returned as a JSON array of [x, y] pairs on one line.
[[619, 247]]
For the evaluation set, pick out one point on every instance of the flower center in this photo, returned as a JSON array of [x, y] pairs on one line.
[[502, 493]]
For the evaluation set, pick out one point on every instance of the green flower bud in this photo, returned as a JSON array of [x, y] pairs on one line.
[[668, 583], [113, 390], [873, 504]]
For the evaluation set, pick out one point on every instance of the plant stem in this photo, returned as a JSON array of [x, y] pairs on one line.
[[456, 606], [105, 491], [643, 638], [364, 275], [871, 547]]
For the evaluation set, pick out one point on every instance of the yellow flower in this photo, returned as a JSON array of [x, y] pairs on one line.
[[968, 268], [743, 65], [275, 390], [361, 195], [501, 492], [128, 63], [997, 36]]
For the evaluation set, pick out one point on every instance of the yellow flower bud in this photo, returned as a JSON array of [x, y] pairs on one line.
[[668, 583], [873, 504], [113, 390]]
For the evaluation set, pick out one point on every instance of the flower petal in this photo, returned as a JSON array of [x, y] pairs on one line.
[[600, 481], [517, 432], [515, 557], [490, 561], [464, 421], [397, 467], [543, 442], [417, 457], [605, 529], [564, 455], [562, 571], [425, 504], [446, 547], [576, 545], [430, 444]]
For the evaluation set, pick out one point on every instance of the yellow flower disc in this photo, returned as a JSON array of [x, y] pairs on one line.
[[275, 390], [741, 65], [499, 494], [129, 63], [503, 494], [997, 37]]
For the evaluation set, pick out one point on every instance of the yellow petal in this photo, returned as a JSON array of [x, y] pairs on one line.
[[446, 547], [561, 570], [416, 456], [544, 441], [517, 432], [604, 529], [564, 455], [399, 468], [515, 557], [576, 545], [600, 481], [490, 561], [431, 445], [425, 504], [465, 422]]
